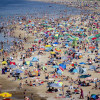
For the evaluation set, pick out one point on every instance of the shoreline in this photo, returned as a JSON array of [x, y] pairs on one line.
[[67, 3]]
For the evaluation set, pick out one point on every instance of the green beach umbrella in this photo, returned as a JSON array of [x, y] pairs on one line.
[[97, 39], [60, 36], [74, 43], [97, 35], [67, 34], [90, 37]]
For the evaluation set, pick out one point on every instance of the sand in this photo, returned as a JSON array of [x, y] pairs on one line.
[[9, 84]]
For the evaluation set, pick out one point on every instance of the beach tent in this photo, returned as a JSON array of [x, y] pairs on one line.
[[92, 67], [73, 70], [62, 65], [35, 59], [81, 70]]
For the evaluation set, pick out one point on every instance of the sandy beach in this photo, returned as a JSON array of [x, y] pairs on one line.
[[46, 52]]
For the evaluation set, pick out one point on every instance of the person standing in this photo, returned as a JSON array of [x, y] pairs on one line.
[[89, 96]]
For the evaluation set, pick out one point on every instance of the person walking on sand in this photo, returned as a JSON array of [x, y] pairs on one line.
[[81, 94], [0, 87]]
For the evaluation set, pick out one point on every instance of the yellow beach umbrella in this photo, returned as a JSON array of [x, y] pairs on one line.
[[5, 95], [52, 52], [48, 46], [56, 35], [4, 62], [35, 31], [27, 62]]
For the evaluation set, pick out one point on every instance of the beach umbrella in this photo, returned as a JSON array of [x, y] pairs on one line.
[[48, 46], [94, 38], [94, 96], [62, 65], [76, 39], [12, 66], [84, 76], [90, 37], [59, 72], [27, 62], [55, 85], [12, 63], [51, 29], [97, 39], [53, 53], [74, 43], [35, 59], [61, 68], [55, 43], [36, 40], [29, 21], [59, 82], [4, 63], [97, 35], [55, 66], [61, 36], [66, 45], [58, 50], [72, 49], [42, 49], [82, 63], [91, 47], [67, 34], [69, 39], [5, 95], [18, 71], [64, 58]]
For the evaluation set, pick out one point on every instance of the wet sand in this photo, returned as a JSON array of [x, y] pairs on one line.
[[18, 94]]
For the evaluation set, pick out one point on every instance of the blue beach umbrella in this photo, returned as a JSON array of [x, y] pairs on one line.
[[82, 63], [55, 85], [12, 66], [18, 71], [55, 66]]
